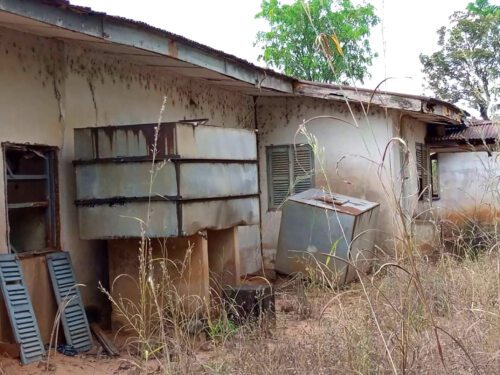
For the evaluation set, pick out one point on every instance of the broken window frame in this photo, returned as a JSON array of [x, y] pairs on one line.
[[294, 178], [51, 201]]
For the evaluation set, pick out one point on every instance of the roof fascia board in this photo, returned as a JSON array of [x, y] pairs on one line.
[[106, 28], [409, 103]]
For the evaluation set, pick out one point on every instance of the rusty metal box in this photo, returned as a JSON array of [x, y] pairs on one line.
[[201, 177], [332, 232]]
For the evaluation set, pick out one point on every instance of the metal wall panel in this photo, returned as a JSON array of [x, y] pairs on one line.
[[213, 142], [124, 221], [129, 141], [20, 310], [362, 253], [201, 180], [206, 177], [219, 214], [73, 317], [122, 142], [308, 234], [108, 180]]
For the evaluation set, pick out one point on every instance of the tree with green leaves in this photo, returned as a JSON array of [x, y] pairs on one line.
[[318, 40], [467, 67]]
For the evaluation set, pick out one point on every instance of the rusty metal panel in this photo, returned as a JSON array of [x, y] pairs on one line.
[[206, 177], [124, 220], [127, 141], [334, 202], [108, 180], [479, 131], [219, 214], [212, 142], [84, 144], [198, 180], [122, 142]]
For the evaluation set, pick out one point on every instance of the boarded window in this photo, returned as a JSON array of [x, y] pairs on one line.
[[290, 171], [30, 177], [422, 158]]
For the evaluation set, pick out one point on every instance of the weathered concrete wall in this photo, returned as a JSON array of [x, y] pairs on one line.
[[356, 141], [413, 131], [468, 182], [51, 87]]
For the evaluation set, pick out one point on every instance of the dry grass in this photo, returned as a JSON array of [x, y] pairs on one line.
[[344, 338]]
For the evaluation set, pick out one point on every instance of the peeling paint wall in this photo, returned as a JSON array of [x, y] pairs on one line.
[[50, 87], [355, 140]]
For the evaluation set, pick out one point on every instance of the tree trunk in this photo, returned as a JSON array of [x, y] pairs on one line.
[[484, 112]]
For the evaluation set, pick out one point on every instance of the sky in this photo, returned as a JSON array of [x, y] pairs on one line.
[[408, 28]]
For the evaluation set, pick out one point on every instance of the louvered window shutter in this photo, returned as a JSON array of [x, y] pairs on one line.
[[302, 168], [278, 161], [422, 158], [290, 171]]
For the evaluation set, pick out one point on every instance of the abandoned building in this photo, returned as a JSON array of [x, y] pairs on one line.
[[465, 169], [83, 92]]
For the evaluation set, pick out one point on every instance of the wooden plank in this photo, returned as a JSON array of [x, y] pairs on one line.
[[104, 340]]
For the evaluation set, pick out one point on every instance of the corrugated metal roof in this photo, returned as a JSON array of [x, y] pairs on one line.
[[478, 131], [65, 4]]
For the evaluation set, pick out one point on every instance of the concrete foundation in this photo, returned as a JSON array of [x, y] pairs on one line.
[[187, 266]]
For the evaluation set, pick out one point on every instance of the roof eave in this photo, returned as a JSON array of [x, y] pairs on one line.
[[433, 108], [120, 31]]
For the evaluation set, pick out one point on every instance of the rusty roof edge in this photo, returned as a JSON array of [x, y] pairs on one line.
[[140, 35], [394, 100]]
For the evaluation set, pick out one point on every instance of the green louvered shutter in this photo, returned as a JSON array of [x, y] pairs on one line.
[[278, 161], [303, 166], [66, 289], [20, 310]]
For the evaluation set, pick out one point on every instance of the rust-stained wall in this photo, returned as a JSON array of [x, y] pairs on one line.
[[352, 138], [51, 87], [468, 184]]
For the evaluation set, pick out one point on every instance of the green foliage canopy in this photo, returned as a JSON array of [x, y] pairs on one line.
[[467, 67], [293, 42]]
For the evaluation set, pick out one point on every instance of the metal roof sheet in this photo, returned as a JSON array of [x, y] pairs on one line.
[[478, 131]]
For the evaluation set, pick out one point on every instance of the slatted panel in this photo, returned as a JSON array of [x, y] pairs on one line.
[[278, 158], [303, 166], [74, 321], [21, 315], [422, 168]]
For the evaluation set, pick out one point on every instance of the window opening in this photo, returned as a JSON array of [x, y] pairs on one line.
[[31, 201]]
